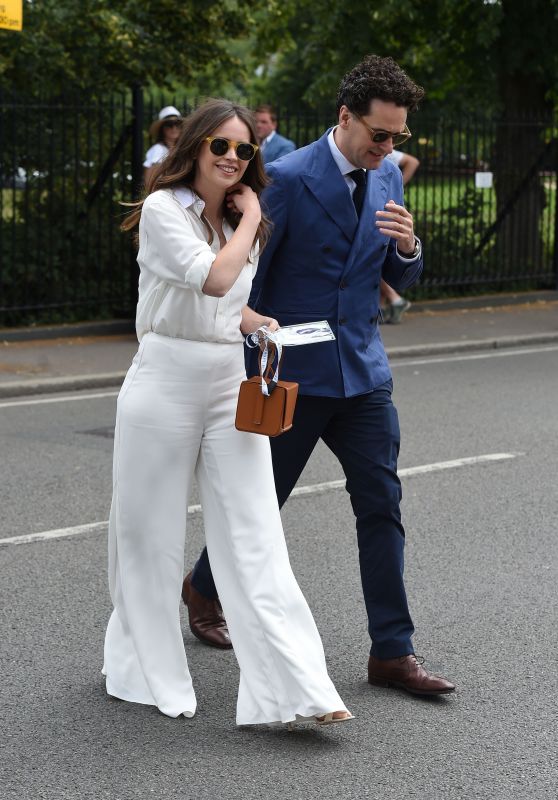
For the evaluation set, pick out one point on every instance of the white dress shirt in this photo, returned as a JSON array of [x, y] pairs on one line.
[[343, 163], [175, 258], [396, 157], [156, 154], [345, 167]]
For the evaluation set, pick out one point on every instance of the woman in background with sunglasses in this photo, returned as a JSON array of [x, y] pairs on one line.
[[165, 130], [200, 230]]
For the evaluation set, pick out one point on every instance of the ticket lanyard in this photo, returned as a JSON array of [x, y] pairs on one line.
[[261, 339]]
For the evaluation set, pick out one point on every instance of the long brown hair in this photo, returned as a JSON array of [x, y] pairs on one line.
[[179, 166]]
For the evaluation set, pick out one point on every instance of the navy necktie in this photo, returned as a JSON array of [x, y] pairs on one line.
[[359, 177]]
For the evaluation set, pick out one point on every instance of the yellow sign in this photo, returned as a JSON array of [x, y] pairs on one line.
[[11, 14]]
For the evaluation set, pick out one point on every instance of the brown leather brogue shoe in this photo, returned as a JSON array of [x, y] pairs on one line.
[[406, 673], [207, 622]]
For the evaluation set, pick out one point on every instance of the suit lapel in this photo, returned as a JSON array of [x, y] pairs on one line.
[[329, 188], [377, 187]]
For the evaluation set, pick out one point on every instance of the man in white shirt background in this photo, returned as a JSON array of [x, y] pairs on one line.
[[394, 305]]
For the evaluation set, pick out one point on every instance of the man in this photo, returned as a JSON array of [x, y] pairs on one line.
[[392, 302], [339, 226], [272, 145]]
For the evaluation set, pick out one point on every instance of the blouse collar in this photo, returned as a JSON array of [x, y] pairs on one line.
[[187, 198]]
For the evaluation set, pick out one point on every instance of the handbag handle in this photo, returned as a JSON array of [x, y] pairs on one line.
[[269, 349], [269, 371]]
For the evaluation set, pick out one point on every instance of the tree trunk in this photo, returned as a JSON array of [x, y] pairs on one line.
[[519, 146]]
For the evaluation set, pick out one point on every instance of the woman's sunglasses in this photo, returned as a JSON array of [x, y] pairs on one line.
[[378, 136], [172, 123], [219, 146]]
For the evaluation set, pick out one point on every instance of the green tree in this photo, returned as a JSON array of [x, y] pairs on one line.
[[61, 122], [472, 55], [100, 45], [487, 52]]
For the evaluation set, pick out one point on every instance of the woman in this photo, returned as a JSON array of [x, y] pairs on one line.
[[165, 130], [200, 228]]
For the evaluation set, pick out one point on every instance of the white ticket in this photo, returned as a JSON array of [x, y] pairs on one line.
[[303, 333]]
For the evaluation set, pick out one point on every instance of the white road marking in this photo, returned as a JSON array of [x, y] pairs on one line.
[[298, 491], [43, 400], [413, 362], [408, 472]]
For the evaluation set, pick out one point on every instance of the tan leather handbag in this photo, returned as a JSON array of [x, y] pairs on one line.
[[265, 404]]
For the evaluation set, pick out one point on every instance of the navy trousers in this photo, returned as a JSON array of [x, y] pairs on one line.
[[363, 433]]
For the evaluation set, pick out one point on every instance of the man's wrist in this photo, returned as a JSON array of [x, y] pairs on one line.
[[413, 253]]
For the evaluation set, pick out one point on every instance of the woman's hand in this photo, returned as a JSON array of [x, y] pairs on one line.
[[244, 200], [251, 321], [233, 256]]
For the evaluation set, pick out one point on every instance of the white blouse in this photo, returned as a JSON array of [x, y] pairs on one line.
[[175, 259], [155, 154]]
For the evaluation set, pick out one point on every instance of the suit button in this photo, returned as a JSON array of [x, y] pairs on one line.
[[326, 248], [376, 285], [342, 321], [342, 285]]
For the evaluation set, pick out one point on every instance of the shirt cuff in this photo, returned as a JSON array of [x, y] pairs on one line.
[[198, 271], [415, 256]]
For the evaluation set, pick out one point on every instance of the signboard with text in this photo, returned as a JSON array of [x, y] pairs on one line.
[[11, 14]]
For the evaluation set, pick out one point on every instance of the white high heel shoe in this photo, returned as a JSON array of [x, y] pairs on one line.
[[330, 718], [319, 719]]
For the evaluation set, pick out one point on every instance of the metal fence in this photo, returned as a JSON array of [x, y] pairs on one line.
[[484, 201]]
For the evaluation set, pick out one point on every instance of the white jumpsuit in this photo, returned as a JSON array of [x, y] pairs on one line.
[[175, 418]]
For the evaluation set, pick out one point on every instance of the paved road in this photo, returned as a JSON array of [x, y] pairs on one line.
[[481, 574]]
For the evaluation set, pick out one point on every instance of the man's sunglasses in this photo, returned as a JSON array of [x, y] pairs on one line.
[[172, 123], [378, 135], [244, 150]]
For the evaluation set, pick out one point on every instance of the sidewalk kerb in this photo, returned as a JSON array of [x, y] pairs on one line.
[[112, 327], [71, 383], [71, 331], [66, 383], [471, 345]]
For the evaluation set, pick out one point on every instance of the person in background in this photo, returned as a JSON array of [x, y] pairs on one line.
[[165, 130], [407, 163], [395, 305], [272, 144]]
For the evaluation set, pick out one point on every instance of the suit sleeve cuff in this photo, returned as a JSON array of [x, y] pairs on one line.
[[415, 256]]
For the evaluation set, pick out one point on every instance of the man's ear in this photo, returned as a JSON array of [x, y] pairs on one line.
[[344, 117]]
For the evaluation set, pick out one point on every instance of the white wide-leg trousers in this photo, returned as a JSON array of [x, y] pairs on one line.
[[175, 418]]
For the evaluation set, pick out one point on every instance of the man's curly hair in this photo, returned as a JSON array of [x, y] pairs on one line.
[[377, 78]]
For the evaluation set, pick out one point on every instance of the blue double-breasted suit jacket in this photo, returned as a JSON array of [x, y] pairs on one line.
[[323, 262]]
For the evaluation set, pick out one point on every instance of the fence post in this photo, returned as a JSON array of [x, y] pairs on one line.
[[137, 182], [555, 248], [137, 139]]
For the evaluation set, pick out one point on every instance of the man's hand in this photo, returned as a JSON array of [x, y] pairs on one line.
[[396, 222], [251, 321]]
